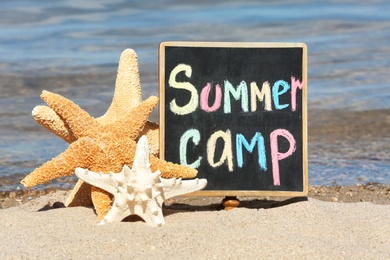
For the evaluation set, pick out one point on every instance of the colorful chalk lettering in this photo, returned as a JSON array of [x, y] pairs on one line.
[[193, 103], [279, 88], [204, 98], [259, 139], [239, 93], [244, 123]]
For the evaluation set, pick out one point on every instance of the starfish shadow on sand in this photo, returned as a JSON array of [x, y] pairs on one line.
[[55, 205]]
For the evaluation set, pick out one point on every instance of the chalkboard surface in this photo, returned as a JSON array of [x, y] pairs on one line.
[[237, 113]]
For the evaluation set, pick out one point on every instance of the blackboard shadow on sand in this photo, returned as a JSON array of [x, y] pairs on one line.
[[252, 203]]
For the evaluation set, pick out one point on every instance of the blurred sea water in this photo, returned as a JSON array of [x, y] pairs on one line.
[[72, 48]]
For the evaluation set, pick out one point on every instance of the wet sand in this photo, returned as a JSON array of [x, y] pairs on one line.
[[348, 147], [348, 129]]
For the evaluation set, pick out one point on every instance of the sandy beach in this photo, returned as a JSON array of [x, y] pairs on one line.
[[335, 222], [73, 48], [196, 228]]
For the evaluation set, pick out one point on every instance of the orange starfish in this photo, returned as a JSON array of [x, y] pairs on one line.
[[100, 148], [127, 95]]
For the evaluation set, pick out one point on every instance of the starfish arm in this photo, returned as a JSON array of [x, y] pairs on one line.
[[46, 117], [78, 120], [176, 187], [128, 92], [171, 170], [153, 214], [102, 201], [152, 132], [100, 180], [80, 195], [141, 158], [116, 214], [78, 154], [131, 126]]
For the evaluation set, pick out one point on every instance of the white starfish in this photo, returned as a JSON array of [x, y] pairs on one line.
[[138, 191]]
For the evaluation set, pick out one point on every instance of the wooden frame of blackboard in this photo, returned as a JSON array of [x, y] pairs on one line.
[[250, 193]]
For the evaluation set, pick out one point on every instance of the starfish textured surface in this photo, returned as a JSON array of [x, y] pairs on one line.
[[100, 148], [139, 191], [127, 96], [48, 118]]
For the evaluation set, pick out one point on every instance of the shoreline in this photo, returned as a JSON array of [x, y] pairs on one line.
[[371, 192], [332, 135]]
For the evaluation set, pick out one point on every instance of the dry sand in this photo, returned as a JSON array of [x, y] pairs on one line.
[[303, 229]]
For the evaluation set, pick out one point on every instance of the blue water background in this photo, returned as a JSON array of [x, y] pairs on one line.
[[348, 64]]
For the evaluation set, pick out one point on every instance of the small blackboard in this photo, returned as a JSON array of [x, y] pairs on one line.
[[237, 113]]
